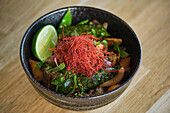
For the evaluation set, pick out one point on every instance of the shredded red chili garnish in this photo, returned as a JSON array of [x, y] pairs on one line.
[[80, 55]]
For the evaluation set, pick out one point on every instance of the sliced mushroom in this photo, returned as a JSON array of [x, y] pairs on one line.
[[115, 79], [112, 87], [99, 91], [125, 62], [105, 25], [86, 95], [95, 22], [37, 73], [91, 92], [113, 40]]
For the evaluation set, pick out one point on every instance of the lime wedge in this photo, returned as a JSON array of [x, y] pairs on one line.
[[44, 40]]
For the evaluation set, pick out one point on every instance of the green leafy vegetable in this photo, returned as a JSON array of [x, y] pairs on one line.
[[75, 80], [95, 30], [116, 47], [78, 85], [105, 43], [67, 19], [83, 22], [123, 53], [56, 69], [94, 43], [43, 64], [71, 92], [97, 76], [55, 82], [56, 88], [74, 87], [98, 43]]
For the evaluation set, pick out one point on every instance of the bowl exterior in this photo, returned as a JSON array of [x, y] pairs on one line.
[[78, 104]]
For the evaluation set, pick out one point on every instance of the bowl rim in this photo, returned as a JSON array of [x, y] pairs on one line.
[[61, 95]]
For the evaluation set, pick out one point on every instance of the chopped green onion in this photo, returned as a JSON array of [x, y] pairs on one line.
[[105, 43]]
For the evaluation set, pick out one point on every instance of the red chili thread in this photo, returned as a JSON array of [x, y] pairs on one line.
[[80, 55], [63, 32]]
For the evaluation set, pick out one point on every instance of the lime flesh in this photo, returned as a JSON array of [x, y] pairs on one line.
[[44, 41]]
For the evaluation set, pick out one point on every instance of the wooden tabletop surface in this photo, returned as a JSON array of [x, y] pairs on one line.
[[148, 92]]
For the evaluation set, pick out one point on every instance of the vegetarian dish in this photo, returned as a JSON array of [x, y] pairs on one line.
[[79, 60]]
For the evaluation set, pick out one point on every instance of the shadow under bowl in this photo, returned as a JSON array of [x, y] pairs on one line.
[[117, 28]]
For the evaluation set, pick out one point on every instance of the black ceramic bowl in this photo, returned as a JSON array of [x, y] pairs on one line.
[[117, 28]]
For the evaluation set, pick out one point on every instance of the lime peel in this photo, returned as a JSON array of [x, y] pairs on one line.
[[43, 40]]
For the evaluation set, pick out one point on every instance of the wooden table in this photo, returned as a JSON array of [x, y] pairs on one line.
[[148, 92]]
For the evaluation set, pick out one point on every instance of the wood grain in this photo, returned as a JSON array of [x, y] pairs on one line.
[[162, 105], [148, 91]]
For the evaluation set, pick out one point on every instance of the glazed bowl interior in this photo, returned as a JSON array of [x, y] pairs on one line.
[[116, 27]]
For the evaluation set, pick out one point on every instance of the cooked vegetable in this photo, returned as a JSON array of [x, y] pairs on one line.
[[37, 73], [94, 22], [100, 46], [99, 91], [123, 53], [113, 87], [96, 30], [105, 25], [105, 43], [115, 79], [111, 41], [116, 47], [56, 69], [51, 61], [125, 62]]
